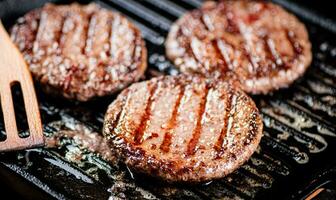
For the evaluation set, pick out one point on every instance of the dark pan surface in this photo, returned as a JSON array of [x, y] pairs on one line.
[[295, 156]]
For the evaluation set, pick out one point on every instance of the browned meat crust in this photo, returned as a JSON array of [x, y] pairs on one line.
[[265, 47], [182, 128], [80, 51]]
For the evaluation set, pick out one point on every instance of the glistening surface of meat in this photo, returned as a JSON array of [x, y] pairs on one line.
[[80, 51], [182, 128], [261, 44]]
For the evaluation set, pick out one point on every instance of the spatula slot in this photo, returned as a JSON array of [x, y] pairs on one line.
[[20, 111], [3, 135]]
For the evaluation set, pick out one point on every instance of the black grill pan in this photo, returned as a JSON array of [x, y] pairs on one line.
[[295, 160]]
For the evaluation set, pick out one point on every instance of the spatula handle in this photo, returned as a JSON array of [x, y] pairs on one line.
[[13, 69]]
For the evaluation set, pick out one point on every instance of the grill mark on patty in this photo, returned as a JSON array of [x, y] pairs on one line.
[[38, 48], [138, 137], [90, 33], [121, 119], [116, 19], [231, 20], [218, 44], [248, 44], [165, 146], [63, 34], [110, 29], [197, 130], [228, 124], [209, 26], [113, 123], [223, 133], [118, 25], [44, 22], [60, 35], [74, 34], [276, 58], [206, 21], [130, 67], [64, 38], [87, 20], [295, 44], [35, 33], [242, 30], [117, 118], [25, 39], [221, 46], [188, 46], [41, 24], [95, 46], [193, 54], [222, 64]]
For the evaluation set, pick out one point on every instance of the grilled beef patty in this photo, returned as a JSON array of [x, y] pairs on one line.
[[182, 128], [265, 47], [80, 51]]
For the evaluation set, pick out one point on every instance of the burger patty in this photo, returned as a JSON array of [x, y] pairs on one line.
[[261, 44], [183, 128], [80, 51]]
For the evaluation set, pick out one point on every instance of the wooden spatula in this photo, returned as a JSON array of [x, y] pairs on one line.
[[13, 69]]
